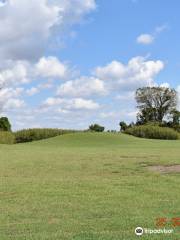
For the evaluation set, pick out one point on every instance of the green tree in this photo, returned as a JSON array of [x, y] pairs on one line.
[[154, 103], [96, 128], [123, 126], [175, 117], [5, 124]]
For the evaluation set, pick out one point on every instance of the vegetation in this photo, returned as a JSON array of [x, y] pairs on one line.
[[175, 122], [123, 126], [175, 117], [154, 103], [29, 135], [6, 137], [153, 132], [5, 124], [87, 187], [96, 128]]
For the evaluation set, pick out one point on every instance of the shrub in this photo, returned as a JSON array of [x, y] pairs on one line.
[[177, 128], [96, 128], [7, 137], [29, 135], [153, 132], [5, 124]]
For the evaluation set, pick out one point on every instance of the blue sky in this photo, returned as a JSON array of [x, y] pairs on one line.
[[112, 30], [77, 62]]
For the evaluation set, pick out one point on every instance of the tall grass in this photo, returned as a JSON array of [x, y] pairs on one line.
[[153, 132], [7, 137], [29, 135]]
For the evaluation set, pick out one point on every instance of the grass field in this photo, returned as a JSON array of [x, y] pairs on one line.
[[87, 186]]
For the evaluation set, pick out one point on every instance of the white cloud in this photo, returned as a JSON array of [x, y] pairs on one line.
[[72, 11], [9, 98], [145, 39], [14, 73], [80, 103], [137, 73], [13, 104], [165, 85], [51, 67], [26, 25], [70, 104], [82, 87], [32, 91], [21, 73], [126, 96], [116, 114], [115, 78]]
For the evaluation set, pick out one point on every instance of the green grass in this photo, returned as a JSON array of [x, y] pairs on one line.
[[87, 186]]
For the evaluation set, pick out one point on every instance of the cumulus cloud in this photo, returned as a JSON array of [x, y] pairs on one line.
[[116, 79], [14, 103], [148, 38], [137, 73], [145, 39], [35, 22], [22, 72], [82, 87], [72, 11], [51, 67], [10, 99], [113, 77], [14, 73], [71, 104]]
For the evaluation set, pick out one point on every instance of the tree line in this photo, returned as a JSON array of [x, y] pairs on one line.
[[157, 105]]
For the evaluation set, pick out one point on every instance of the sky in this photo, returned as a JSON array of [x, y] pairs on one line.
[[71, 63]]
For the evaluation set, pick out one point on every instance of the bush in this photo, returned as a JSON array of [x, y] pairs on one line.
[[7, 137], [153, 132], [177, 128], [5, 124], [96, 128], [29, 135]]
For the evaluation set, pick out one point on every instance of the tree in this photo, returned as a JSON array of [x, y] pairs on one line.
[[5, 124], [96, 128], [123, 126], [176, 117], [154, 103]]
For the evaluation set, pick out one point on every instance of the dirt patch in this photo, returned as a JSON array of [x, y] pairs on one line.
[[165, 169]]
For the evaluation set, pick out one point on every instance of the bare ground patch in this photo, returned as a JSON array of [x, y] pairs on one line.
[[165, 169]]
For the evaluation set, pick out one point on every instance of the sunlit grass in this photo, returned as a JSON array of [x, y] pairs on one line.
[[87, 186]]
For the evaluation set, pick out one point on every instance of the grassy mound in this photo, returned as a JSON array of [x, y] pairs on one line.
[[29, 135], [7, 137], [153, 132], [87, 186]]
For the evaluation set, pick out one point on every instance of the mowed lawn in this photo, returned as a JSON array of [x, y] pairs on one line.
[[87, 186]]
